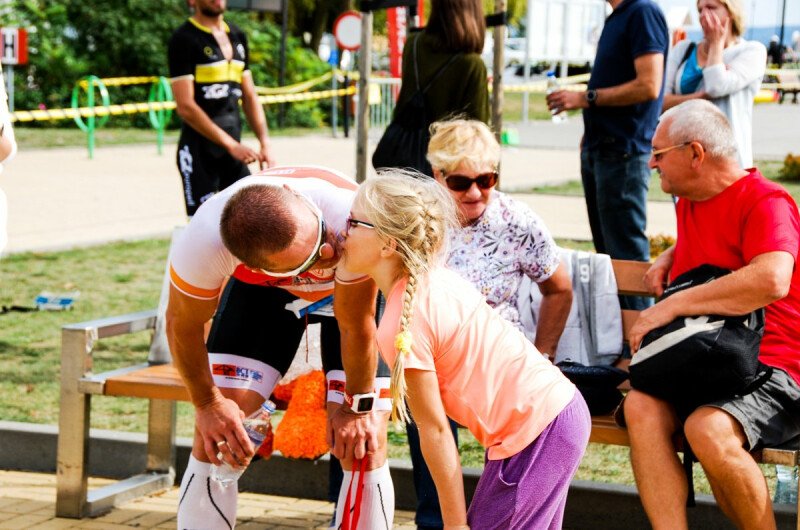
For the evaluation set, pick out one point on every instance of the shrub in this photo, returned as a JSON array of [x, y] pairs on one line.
[[659, 243], [791, 168]]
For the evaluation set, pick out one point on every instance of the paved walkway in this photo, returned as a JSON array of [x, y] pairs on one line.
[[58, 198], [27, 501]]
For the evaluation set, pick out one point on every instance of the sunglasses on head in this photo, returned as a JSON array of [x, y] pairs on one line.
[[463, 183]]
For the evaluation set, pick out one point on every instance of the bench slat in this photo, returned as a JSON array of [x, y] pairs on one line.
[[153, 382], [629, 276]]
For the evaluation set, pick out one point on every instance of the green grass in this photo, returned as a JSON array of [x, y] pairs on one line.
[[537, 107], [68, 135], [120, 278], [769, 168]]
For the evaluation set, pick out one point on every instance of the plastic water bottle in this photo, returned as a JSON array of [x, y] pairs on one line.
[[259, 429], [552, 86], [786, 489]]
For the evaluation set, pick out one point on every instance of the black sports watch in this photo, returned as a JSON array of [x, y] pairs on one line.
[[591, 97]]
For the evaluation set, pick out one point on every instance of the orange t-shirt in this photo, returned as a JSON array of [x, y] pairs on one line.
[[491, 378]]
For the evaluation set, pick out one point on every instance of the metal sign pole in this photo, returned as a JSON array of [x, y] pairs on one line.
[[362, 118], [10, 86], [497, 76]]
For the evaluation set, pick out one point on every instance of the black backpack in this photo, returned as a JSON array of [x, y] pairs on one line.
[[404, 143], [696, 360]]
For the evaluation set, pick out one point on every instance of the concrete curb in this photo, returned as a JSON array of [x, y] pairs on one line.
[[32, 447]]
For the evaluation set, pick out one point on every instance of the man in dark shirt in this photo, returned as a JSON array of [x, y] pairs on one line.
[[208, 67], [621, 109]]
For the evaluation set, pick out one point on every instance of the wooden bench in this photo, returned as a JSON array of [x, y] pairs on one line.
[[159, 382]]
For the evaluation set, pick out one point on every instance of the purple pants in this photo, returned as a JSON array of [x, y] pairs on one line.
[[529, 490]]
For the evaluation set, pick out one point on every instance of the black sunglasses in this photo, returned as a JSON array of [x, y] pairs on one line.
[[462, 183]]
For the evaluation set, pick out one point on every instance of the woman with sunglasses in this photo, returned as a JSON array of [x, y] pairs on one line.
[[498, 242], [454, 356]]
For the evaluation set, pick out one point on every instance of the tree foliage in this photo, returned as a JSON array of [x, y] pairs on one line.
[[69, 39]]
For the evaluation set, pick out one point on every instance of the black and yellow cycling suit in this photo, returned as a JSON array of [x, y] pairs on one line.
[[194, 53]]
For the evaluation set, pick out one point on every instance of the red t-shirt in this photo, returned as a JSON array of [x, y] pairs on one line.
[[751, 217]]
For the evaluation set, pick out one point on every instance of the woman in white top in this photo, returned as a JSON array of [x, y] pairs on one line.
[[8, 148], [723, 68]]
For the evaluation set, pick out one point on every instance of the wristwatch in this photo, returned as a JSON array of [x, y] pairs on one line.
[[591, 97], [361, 403]]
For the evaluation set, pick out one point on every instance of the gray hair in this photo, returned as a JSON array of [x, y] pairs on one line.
[[698, 120]]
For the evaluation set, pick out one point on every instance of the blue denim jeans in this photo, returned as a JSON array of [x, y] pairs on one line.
[[615, 186], [429, 513]]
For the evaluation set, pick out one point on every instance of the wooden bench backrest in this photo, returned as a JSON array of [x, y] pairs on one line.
[[630, 281]]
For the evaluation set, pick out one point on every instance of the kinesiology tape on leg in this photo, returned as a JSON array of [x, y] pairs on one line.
[[377, 499]]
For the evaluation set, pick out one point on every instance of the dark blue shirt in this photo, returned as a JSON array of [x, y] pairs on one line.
[[634, 28]]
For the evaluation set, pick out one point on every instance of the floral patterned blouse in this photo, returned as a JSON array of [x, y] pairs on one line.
[[507, 242]]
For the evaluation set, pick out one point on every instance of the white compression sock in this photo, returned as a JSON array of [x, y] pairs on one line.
[[377, 501], [203, 503]]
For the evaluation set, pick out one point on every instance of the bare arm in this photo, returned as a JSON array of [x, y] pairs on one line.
[[764, 280], [646, 86], [217, 418], [7, 144], [655, 279], [354, 306], [673, 100], [197, 119], [437, 444], [254, 113], [553, 311]]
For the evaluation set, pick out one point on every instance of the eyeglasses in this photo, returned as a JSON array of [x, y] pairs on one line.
[[658, 153], [463, 183], [352, 223], [314, 256]]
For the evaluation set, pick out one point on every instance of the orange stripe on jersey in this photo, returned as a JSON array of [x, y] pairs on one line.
[[190, 289], [305, 172]]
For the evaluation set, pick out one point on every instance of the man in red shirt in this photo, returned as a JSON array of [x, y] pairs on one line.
[[738, 220]]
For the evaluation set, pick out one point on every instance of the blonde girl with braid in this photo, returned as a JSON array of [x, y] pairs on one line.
[[453, 356]]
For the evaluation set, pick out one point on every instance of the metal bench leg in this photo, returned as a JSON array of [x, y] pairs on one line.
[[73, 425], [161, 436]]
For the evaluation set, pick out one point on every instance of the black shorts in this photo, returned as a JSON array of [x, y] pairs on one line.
[[254, 338], [205, 168]]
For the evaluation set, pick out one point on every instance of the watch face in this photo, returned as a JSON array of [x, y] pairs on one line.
[[365, 404]]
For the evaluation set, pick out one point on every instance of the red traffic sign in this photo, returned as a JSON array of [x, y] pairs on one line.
[[14, 43], [347, 30]]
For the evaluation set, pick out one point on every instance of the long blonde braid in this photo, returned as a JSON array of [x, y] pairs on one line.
[[415, 212]]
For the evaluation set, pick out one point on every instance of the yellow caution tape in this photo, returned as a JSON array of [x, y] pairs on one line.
[[306, 96], [297, 87], [24, 116], [119, 81]]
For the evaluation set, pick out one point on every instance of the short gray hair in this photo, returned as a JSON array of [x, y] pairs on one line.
[[698, 120]]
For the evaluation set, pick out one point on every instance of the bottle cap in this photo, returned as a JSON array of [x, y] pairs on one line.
[[269, 406]]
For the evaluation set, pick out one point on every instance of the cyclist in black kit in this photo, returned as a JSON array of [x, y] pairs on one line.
[[208, 65]]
